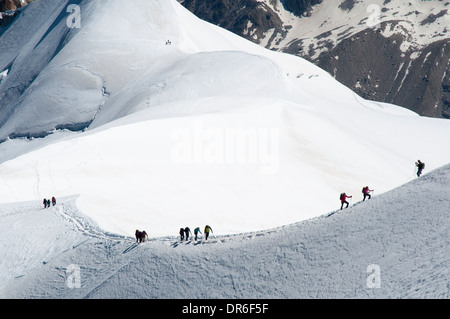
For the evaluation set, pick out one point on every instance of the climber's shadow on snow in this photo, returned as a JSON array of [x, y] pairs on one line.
[[131, 247], [175, 244]]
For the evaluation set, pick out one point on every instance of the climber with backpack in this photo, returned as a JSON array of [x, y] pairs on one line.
[[181, 234], [138, 235], [366, 192], [207, 230], [420, 166], [343, 198], [196, 231], [143, 237], [187, 231]]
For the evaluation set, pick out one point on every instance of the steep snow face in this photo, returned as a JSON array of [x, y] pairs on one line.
[[206, 128], [193, 76]]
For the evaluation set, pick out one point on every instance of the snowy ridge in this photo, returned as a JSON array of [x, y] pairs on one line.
[[324, 257], [219, 130]]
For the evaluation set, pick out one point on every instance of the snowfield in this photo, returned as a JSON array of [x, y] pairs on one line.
[[210, 129], [395, 245]]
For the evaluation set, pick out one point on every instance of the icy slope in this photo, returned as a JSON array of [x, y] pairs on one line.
[[211, 129], [402, 236]]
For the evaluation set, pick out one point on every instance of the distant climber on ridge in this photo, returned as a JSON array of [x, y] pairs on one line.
[[366, 192], [420, 166], [141, 236], [187, 231], [343, 198], [207, 230], [138, 235], [196, 231], [181, 234]]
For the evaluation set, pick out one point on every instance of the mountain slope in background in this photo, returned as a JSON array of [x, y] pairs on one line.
[[9, 9], [391, 51], [209, 129]]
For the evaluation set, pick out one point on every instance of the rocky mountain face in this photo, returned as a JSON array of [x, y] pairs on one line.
[[251, 19], [392, 51], [6, 5], [8, 11], [248, 18], [375, 67]]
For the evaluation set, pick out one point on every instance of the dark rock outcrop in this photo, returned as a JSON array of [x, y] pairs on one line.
[[376, 68], [369, 62], [247, 18]]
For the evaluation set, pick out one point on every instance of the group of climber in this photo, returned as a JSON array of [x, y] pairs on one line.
[[366, 190], [141, 236], [184, 233], [366, 193], [46, 202]]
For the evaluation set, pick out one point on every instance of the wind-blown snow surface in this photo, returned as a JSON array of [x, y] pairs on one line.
[[395, 245], [208, 130], [211, 129]]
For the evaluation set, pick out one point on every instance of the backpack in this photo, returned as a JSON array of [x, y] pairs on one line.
[[364, 189], [342, 196]]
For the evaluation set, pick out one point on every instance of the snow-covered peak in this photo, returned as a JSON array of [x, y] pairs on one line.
[[84, 64]]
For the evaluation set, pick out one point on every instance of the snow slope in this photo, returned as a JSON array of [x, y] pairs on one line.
[[395, 245], [211, 129]]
